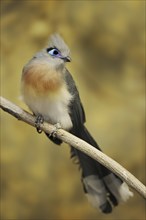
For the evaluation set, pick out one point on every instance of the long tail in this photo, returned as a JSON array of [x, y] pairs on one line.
[[103, 188]]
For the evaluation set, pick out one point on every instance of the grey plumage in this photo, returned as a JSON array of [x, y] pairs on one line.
[[56, 41]]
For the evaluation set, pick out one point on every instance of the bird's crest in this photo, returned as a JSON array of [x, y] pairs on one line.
[[55, 41]]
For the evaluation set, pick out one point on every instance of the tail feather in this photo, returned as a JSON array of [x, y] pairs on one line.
[[97, 193], [119, 189], [103, 188]]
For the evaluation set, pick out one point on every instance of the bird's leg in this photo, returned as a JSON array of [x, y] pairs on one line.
[[57, 127], [39, 120]]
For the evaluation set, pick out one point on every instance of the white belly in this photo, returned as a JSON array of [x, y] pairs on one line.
[[53, 108]]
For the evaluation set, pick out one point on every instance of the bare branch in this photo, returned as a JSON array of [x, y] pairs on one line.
[[78, 144]]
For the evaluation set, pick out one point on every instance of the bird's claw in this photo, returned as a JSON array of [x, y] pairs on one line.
[[38, 122], [53, 133]]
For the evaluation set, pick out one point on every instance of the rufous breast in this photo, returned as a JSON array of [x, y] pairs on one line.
[[39, 80]]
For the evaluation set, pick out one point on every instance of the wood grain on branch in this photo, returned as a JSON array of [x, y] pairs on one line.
[[78, 144]]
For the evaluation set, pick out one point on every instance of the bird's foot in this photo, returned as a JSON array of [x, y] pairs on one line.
[[57, 127], [39, 120]]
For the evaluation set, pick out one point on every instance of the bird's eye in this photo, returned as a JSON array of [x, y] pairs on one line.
[[53, 51]]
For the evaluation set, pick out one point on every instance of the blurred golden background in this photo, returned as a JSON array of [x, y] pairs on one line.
[[106, 38]]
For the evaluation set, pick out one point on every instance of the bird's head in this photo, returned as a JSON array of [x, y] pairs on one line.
[[57, 48], [57, 52]]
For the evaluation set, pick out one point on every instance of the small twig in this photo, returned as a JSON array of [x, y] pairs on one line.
[[78, 144]]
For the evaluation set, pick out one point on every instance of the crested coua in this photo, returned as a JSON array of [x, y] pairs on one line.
[[50, 92]]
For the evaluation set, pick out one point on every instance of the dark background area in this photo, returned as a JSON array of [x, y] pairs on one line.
[[106, 38]]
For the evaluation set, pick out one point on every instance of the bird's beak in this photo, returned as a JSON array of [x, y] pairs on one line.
[[67, 59]]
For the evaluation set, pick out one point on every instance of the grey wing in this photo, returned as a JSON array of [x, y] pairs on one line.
[[77, 113]]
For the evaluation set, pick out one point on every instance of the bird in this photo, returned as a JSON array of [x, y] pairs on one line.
[[50, 92]]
